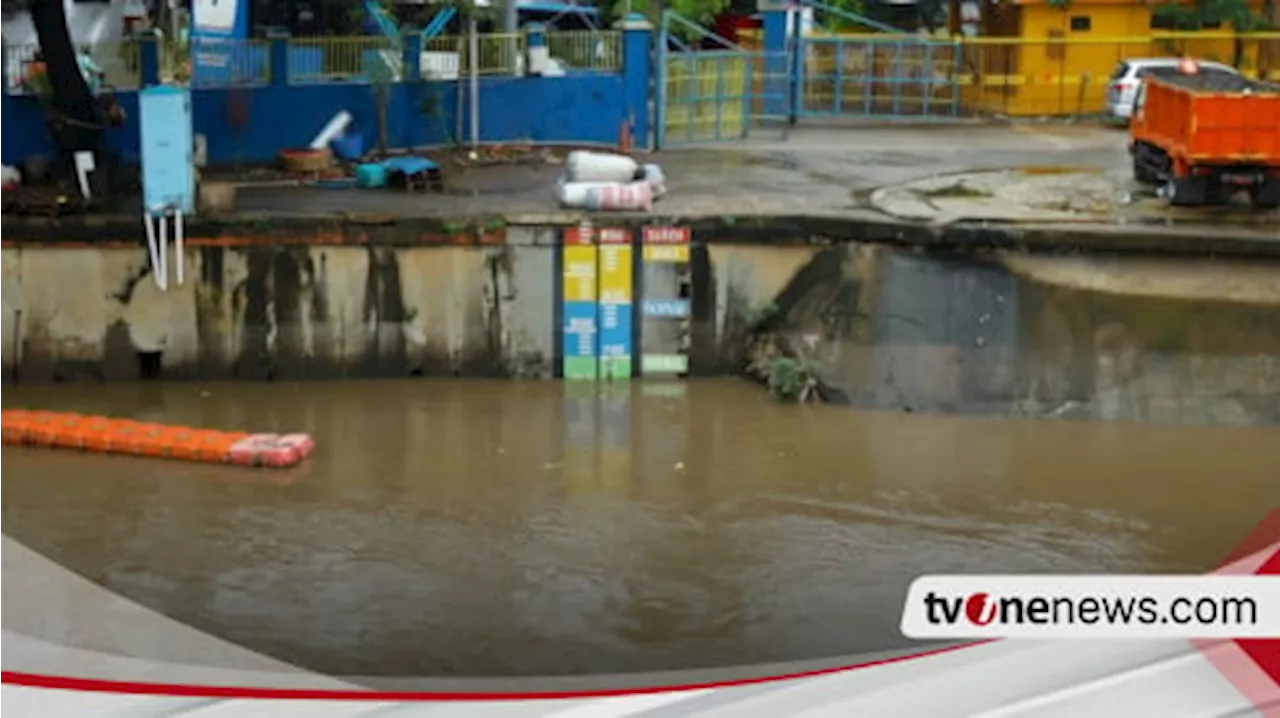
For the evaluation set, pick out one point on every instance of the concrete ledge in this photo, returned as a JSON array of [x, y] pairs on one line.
[[391, 231]]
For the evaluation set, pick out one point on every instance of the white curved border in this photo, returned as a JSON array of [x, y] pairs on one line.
[[1001, 679]]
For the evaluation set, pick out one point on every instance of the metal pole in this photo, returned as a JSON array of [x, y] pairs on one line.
[[473, 53], [512, 19]]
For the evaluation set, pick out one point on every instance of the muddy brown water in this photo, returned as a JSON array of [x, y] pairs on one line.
[[461, 527]]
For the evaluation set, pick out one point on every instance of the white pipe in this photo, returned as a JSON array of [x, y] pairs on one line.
[[474, 56], [177, 245], [163, 221], [152, 251], [332, 130]]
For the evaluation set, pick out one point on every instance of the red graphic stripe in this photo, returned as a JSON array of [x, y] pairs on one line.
[[1253, 665], [95, 685], [1266, 652]]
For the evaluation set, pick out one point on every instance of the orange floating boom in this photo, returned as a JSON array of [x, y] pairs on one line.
[[122, 436]]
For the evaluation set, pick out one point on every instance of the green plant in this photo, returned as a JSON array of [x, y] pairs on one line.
[[1210, 13], [699, 11], [790, 379], [759, 314]]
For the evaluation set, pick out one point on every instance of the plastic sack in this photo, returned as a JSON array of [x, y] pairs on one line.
[[584, 166], [573, 195], [633, 196], [657, 181]]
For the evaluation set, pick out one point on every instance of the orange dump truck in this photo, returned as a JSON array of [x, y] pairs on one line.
[[1202, 137]]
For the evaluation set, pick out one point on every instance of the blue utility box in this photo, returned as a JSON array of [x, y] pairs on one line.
[[168, 171]]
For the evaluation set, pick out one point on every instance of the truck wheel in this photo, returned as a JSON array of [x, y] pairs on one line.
[[1216, 193], [1265, 195], [1142, 172], [1186, 191]]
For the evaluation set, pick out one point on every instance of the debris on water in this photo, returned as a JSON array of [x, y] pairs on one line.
[[679, 466]]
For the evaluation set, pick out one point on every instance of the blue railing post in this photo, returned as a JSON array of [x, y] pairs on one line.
[[279, 57], [797, 83], [777, 71], [412, 61], [148, 59], [637, 71]]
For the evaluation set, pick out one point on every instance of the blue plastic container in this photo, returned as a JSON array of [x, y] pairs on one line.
[[410, 165], [371, 175], [348, 147]]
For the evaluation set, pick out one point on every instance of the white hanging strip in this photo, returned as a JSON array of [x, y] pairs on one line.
[[178, 236], [164, 250], [154, 252]]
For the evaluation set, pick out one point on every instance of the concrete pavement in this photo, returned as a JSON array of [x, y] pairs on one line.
[[813, 171], [1030, 173]]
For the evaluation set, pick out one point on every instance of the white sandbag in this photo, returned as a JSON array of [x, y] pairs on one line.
[[657, 181], [10, 176], [635, 196], [584, 166], [573, 195]]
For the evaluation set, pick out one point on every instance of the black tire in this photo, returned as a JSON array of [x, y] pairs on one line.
[[1266, 195], [1142, 172], [1187, 191], [1217, 193]]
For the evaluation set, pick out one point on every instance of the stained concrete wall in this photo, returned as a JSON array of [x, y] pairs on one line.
[[899, 329], [282, 312], [888, 327]]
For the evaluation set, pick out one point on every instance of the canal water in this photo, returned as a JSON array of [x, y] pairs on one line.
[[461, 527]]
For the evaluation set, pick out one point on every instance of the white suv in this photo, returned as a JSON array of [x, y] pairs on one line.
[[1122, 88]]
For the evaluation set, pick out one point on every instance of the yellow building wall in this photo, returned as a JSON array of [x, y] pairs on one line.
[[1052, 69]]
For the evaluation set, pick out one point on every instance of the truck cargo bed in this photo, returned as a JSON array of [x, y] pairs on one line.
[[1220, 82], [1204, 136]]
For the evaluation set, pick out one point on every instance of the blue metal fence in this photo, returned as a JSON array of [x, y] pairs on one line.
[[892, 77], [722, 94], [719, 94]]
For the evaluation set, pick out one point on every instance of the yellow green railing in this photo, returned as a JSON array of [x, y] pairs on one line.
[[333, 59], [587, 49], [498, 53]]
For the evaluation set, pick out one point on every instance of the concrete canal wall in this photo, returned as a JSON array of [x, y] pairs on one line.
[[889, 326]]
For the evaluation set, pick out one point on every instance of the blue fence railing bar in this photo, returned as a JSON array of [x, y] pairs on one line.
[[893, 77], [217, 62], [438, 23]]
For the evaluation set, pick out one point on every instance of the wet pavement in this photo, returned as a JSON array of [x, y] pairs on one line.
[[1022, 173], [461, 527], [812, 171], [1061, 194]]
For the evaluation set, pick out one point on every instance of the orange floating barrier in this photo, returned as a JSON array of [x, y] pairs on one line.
[[124, 436]]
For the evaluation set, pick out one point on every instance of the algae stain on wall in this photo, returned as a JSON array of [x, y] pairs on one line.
[[280, 312]]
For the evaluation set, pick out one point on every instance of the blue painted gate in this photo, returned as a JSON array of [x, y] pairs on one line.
[[895, 77], [708, 95], [726, 92]]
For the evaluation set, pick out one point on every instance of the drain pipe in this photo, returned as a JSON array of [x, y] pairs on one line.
[[473, 56]]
